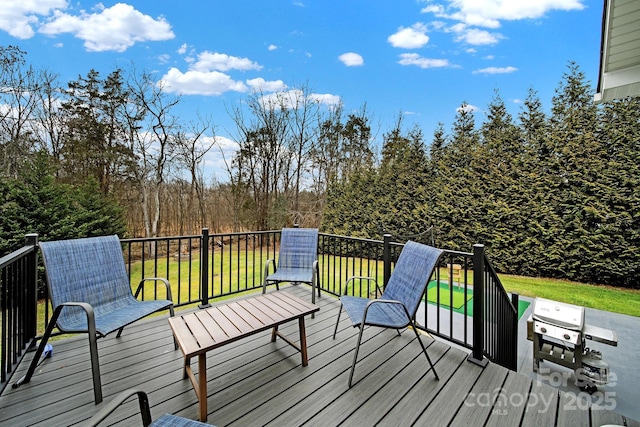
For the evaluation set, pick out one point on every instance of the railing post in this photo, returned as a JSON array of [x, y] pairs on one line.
[[386, 259], [31, 291], [515, 300], [477, 356], [204, 269]]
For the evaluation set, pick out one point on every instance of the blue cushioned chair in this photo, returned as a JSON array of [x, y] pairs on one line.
[[297, 260], [90, 293], [396, 308], [166, 420]]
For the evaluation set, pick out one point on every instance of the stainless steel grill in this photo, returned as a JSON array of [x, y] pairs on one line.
[[559, 331]]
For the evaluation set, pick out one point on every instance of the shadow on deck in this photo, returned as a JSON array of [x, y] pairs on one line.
[[256, 382]]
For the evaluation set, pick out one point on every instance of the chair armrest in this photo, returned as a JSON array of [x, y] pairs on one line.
[[383, 301], [266, 273], [266, 266], [367, 278], [155, 280], [88, 308], [107, 410]]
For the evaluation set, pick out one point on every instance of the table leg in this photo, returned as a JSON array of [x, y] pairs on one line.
[[202, 385], [274, 332], [303, 341]]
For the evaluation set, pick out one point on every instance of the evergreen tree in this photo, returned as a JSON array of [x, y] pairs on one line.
[[577, 165], [35, 203], [541, 220], [403, 182], [500, 159], [455, 200], [618, 221]]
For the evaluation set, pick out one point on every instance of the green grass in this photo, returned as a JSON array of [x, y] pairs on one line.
[[606, 298]]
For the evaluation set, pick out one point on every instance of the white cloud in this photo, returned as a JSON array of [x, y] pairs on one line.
[[419, 61], [327, 99], [213, 61], [272, 47], [182, 49], [474, 36], [261, 85], [164, 58], [489, 13], [511, 10], [207, 75], [18, 18], [410, 38], [351, 59], [195, 82], [116, 28], [294, 97], [496, 70]]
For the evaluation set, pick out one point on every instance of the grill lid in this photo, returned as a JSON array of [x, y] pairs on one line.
[[560, 314]]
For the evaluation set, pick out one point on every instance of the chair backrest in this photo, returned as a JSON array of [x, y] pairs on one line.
[[90, 270], [298, 248], [411, 275]]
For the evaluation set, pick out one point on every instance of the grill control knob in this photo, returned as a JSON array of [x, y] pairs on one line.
[[567, 336], [544, 330]]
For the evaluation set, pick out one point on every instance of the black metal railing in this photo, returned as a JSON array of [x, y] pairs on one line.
[[465, 302], [448, 310], [18, 300], [497, 328]]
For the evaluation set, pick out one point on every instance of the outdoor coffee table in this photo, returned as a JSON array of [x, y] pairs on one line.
[[201, 331]]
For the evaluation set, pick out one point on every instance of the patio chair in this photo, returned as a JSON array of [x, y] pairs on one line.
[[166, 420], [397, 306], [90, 293], [297, 260]]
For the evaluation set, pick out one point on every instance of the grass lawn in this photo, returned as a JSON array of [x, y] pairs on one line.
[[606, 298]]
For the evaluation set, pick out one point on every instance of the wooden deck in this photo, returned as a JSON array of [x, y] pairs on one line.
[[256, 382]]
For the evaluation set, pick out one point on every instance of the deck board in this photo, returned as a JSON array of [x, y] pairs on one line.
[[253, 381]]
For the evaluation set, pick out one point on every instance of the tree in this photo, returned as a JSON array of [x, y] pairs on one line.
[[35, 203], [403, 182], [457, 194], [18, 89], [152, 136], [305, 117], [617, 222], [500, 158], [94, 144], [577, 165], [192, 145], [262, 164]]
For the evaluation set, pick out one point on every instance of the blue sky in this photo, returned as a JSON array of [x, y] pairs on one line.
[[419, 58]]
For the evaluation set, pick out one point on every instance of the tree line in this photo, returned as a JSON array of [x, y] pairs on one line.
[[120, 139], [553, 195], [549, 194]]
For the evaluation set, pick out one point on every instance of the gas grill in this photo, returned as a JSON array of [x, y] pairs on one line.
[[559, 332]]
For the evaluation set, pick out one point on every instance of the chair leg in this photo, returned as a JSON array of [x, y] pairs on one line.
[[95, 368], [424, 349], [43, 342], [317, 273], [337, 321], [355, 355], [95, 364]]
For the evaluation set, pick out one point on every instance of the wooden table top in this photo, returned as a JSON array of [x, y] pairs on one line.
[[200, 331]]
